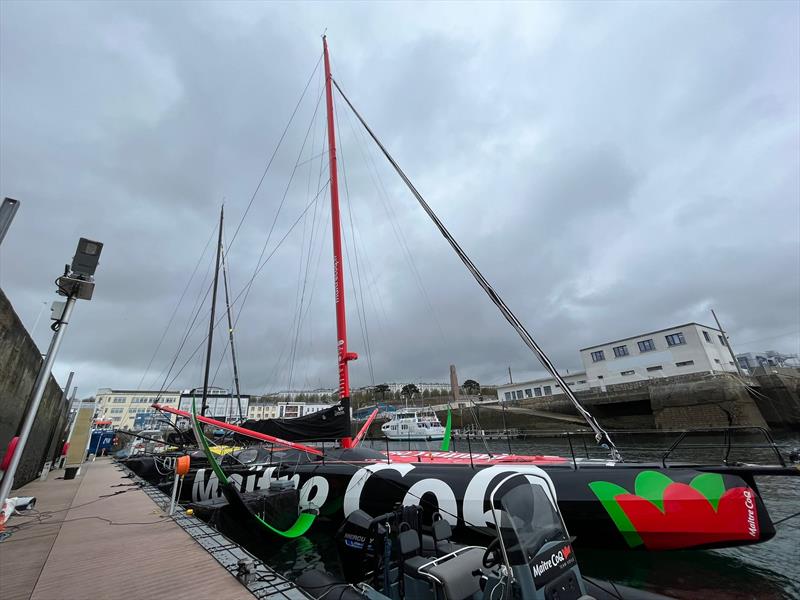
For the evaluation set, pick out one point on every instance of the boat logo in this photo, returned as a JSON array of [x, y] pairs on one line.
[[550, 564], [663, 514]]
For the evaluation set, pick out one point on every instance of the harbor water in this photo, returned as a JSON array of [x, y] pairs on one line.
[[767, 571]]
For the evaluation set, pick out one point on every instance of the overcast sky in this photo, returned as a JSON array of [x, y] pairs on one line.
[[613, 168]]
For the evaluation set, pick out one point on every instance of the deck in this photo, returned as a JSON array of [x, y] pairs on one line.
[[101, 536]]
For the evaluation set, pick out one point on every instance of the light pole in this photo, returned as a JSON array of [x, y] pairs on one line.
[[76, 283]]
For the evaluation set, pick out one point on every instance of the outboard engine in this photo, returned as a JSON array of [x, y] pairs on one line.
[[356, 542]]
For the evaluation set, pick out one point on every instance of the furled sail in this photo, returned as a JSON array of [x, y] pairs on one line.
[[328, 424]]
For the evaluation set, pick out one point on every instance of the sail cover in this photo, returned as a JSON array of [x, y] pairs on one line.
[[327, 424]]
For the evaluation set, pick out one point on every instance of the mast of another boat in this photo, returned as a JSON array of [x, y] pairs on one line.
[[230, 332], [338, 273]]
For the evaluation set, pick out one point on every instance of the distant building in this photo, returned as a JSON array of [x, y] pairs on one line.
[[539, 388], [767, 358], [689, 348], [121, 407], [131, 409], [261, 409]]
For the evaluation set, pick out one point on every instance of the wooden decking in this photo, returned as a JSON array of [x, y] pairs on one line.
[[99, 536]]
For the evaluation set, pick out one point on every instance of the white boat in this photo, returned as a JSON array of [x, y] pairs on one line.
[[410, 424]]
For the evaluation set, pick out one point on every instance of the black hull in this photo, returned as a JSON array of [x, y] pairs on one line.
[[636, 506]]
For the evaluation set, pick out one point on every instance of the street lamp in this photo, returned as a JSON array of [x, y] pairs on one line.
[[77, 282]]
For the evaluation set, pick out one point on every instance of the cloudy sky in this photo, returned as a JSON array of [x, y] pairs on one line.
[[613, 168]]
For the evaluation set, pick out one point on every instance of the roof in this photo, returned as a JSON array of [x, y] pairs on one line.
[[638, 335], [542, 380]]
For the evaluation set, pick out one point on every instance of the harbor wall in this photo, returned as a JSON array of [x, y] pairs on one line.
[[20, 362], [778, 396], [697, 400]]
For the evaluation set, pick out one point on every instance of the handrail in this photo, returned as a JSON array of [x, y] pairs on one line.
[[662, 455]]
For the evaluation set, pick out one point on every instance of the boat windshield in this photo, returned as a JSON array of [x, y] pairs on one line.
[[528, 521]]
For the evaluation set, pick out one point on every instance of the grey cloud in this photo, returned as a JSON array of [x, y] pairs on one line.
[[612, 169]]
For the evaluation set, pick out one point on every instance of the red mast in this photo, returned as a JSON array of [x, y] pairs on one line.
[[341, 320]]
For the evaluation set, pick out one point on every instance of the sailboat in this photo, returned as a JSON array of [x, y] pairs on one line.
[[609, 502]]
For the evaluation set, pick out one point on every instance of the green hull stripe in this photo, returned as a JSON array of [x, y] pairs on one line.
[[303, 522]]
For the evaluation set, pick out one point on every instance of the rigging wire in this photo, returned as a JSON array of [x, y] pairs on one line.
[[248, 287], [601, 436], [175, 310], [394, 222], [303, 266], [275, 151], [360, 307], [244, 215], [255, 274]]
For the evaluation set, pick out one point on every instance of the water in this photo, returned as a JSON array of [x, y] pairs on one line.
[[767, 571]]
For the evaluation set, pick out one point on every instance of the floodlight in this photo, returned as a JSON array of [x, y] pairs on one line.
[[86, 257]]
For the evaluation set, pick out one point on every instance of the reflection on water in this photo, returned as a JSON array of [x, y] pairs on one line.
[[765, 571]]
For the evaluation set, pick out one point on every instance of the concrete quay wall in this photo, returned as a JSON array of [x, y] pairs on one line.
[[20, 362]]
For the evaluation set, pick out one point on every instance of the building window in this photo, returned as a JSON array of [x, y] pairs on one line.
[[570, 383], [684, 363], [119, 400], [519, 394], [581, 381], [646, 346], [599, 376], [722, 340], [627, 372], [656, 368], [675, 339], [508, 396], [528, 393], [548, 391], [620, 351], [708, 337], [598, 356], [537, 391], [117, 411]]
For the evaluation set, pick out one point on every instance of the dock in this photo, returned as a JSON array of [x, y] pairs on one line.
[[106, 535]]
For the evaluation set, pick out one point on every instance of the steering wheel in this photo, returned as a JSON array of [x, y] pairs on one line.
[[490, 558]]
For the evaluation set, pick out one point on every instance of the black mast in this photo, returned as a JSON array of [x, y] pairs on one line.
[[230, 335], [213, 311]]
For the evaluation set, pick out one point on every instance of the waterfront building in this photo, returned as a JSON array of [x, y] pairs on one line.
[[131, 409], [122, 407], [541, 388], [679, 350], [689, 348], [265, 409]]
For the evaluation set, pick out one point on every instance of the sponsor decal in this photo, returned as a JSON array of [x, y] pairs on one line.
[[551, 563], [663, 514]]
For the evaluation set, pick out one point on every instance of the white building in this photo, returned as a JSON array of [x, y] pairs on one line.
[[121, 406], [283, 410], [538, 388], [689, 348]]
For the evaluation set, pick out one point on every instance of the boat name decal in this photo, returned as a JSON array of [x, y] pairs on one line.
[[547, 566]]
